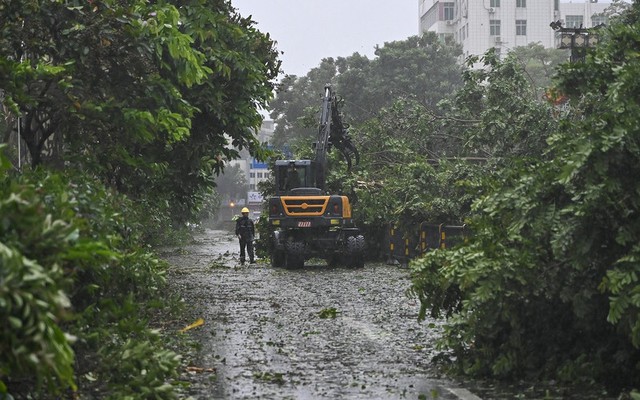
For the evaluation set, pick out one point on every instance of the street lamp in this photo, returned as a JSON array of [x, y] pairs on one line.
[[231, 206], [576, 39]]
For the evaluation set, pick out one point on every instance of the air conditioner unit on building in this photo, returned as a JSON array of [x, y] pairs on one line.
[[492, 10], [450, 22], [497, 39]]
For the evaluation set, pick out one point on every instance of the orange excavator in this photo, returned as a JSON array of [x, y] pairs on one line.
[[305, 221]]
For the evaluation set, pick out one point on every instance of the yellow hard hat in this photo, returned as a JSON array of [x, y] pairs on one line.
[[245, 210]]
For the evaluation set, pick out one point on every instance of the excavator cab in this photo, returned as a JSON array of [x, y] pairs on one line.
[[295, 177]]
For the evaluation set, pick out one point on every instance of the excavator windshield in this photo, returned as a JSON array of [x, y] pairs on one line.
[[293, 174]]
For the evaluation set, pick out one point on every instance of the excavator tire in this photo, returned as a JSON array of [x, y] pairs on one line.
[[355, 251], [294, 255]]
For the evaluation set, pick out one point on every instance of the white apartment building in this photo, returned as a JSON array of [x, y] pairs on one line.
[[254, 171], [504, 24]]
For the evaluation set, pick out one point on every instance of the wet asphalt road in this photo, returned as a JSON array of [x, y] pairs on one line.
[[313, 333]]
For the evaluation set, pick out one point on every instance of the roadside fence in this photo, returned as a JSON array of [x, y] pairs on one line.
[[404, 244]]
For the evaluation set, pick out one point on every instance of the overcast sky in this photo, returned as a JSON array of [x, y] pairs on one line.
[[310, 30]]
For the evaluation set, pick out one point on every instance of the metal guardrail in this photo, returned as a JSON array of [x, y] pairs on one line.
[[404, 244], [401, 245]]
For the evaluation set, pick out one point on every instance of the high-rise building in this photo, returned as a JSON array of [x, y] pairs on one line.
[[479, 25]]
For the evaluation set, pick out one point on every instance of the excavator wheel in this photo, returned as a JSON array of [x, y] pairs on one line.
[[294, 254], [355, 251]]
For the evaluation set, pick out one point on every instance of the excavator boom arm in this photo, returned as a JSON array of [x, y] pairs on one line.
[[332, 132]]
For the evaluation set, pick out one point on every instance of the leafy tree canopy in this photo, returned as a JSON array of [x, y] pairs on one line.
[[426, 165], [539, 63], [423, 68], [548, 285], [145, 95]]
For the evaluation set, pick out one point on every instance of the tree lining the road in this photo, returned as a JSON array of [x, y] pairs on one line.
[[420, 67], [129, 110], [547, 286], [144, 96]]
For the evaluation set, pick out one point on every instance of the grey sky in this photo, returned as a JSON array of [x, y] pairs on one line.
[[309, 30]]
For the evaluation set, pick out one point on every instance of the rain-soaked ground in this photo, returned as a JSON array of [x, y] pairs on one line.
[[313, 333]]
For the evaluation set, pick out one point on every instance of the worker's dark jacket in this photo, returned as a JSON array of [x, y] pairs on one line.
[[245, 228]]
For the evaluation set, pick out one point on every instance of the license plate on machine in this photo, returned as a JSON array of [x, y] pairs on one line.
[[304, 224]]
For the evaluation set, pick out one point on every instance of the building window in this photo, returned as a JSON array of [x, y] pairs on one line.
[[259, 175], [521, 27], [448, 11], [494, 3], [252, 174], [556, 5], [598, 19], [443, 37], [573, 21], [521, 3], [494, 27]]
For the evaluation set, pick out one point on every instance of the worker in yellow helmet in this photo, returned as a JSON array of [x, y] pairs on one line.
[[245, 231]]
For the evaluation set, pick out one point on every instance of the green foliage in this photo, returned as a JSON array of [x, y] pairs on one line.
[[145, 99], [503, 291], [411, 193], [600, 169], [232, 184], [140, 370], [420, 68], [146, 96], [424, 163], [73, 267], [271, 377], [539, 63], [548, 285], [32, 304], [328, 313], [33, 288], [497, 112], [423, 68], [295, 96]]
